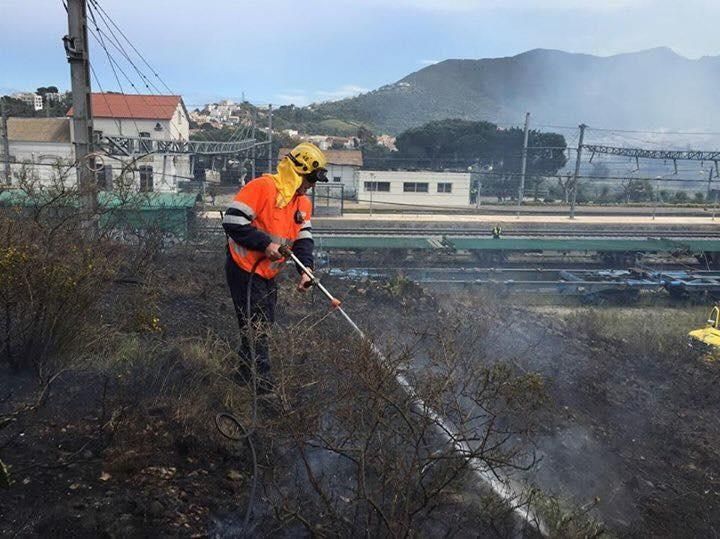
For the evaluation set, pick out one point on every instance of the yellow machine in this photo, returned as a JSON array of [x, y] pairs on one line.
[[708, 338]]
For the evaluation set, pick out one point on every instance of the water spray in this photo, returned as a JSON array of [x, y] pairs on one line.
[[504, 489]]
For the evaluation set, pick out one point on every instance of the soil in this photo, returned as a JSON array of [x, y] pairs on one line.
[[636, 437], [633, 430]]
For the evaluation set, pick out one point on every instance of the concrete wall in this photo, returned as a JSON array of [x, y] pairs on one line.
[[348, 178], [48, 155], [460, 195], [167, 169]]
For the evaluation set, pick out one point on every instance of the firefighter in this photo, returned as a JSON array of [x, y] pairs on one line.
[[267, 213], [496, 232]]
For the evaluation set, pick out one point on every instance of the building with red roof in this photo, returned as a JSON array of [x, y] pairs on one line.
[[136, 115]]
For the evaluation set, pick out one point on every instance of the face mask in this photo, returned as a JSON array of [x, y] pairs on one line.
[[317, 175]]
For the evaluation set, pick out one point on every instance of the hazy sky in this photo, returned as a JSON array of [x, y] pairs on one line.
[[280, 51]]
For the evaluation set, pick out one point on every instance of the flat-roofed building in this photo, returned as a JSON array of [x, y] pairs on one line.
[[343, 168], [422, 188]]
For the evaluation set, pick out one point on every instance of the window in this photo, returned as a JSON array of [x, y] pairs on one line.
[[444, 188], [337, 179], [146, 179], [378, 186], [415, 187]]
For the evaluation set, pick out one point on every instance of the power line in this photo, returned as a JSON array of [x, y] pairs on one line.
[[107, 53], [154, 72], [105, 18], [115, 63], [654, 132]]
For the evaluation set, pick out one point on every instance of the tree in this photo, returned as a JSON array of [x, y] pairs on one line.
[[637, 191], [458, 144], [566, 186]]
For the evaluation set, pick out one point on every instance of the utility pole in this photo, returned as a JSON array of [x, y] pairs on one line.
[[254, 124], [710, 190], [76, 48], [523, 166], [477, 169], [577, 170], [270, 150], [5, 140]]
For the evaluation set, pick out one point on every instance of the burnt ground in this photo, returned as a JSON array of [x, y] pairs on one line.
[[124, 445], [86, 465], [129, 448], [634, 427]]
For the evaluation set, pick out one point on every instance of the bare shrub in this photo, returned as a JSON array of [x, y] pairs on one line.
[[377, 459]]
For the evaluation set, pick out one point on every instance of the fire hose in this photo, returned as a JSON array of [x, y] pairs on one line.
[[503, 489]]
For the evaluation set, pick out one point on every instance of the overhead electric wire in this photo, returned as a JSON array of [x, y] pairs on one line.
[[102, 92], [102, 11], [114, 63], [112, 38], [96, 3], [654, 132], [115, 42], [110, 59]]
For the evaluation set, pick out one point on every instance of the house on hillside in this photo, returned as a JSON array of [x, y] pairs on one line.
[[343, 168], [421, 188], [138, 117], [40, 148]]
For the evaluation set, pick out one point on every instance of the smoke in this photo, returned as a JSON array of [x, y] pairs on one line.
[[654, 89]]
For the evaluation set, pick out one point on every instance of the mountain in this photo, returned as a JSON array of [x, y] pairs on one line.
[[656, 89]]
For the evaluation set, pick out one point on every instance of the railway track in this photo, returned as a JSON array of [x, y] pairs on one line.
[[515, 233], [535, 233]]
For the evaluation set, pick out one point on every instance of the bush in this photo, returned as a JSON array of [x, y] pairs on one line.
[[56, 267]]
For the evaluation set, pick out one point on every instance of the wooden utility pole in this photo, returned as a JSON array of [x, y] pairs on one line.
[[523, 166], [577, 170], [76, 48], [5, 140], [270, 150]]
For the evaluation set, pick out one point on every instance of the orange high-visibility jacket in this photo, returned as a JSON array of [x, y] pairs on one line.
[[255, 205]]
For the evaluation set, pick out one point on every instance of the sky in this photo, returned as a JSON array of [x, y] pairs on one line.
[[282, 51]]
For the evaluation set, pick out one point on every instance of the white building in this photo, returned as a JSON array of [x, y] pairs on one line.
[[343, 168], [40, 148], [416, 188], [155, 117]]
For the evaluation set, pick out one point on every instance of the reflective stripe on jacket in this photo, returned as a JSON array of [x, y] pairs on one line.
[[254, 205]]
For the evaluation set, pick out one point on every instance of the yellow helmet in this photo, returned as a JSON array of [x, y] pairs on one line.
[[308, 160]]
